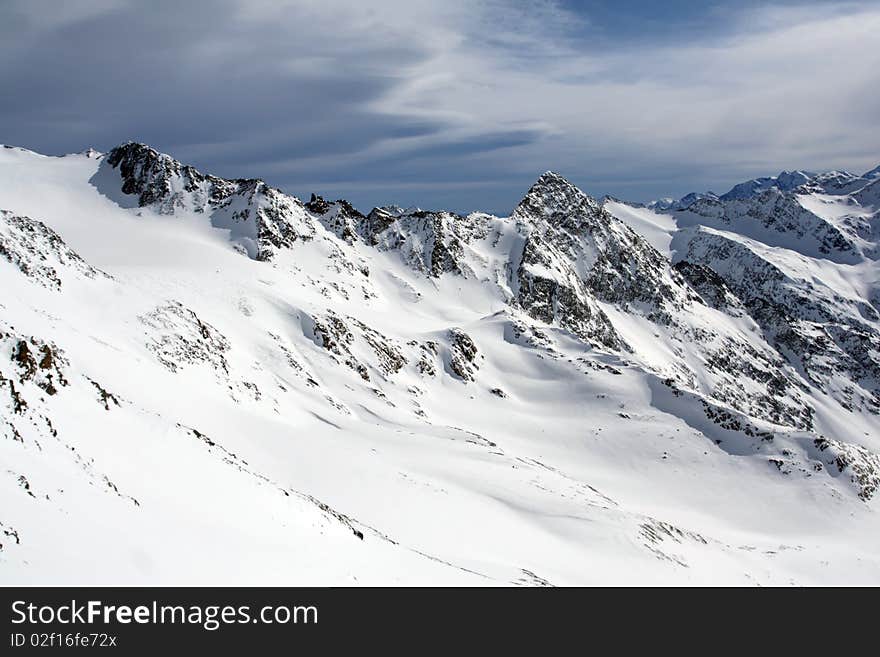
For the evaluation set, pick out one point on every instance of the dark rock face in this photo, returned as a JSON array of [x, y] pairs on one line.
[[775, 218], [779, 398], [377, 222], [389, 356], [40, 362], [31, 371], [178, 337], [862, 466], [334, 335], [151, 175], [431, 242], [617, 264], [318, 205], [591, 255], [434, 243], [710, 286], [820, 332], [261, 219], [463, 355], [39, 252], [560, 296], [339, 217]]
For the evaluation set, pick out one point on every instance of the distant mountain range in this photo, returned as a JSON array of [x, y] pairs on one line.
[[801, 182]]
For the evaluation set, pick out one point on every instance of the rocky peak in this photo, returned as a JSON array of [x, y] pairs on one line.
[[319, 205], [259, 217], [615, 263], [556, 200], [432, 242], [377, 221], [340, 217], [149, 174]]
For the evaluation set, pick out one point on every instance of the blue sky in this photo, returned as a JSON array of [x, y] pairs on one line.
[[458, 104]]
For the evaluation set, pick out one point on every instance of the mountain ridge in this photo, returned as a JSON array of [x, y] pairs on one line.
[[576, 346]]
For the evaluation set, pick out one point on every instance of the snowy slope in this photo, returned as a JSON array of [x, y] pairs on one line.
[[209, 381]]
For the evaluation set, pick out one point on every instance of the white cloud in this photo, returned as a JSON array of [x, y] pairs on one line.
[[781, 86]]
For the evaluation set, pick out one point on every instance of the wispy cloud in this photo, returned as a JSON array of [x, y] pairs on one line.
[[459, 103]]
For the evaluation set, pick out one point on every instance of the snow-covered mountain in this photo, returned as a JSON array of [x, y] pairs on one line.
[[784, 182], [210, 381]]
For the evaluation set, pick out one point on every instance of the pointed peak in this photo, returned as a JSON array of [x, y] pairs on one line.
[[552, 187], [129, 147], [550, 175], [132, 153], [553, 197], [552, 179], [318, 204]]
